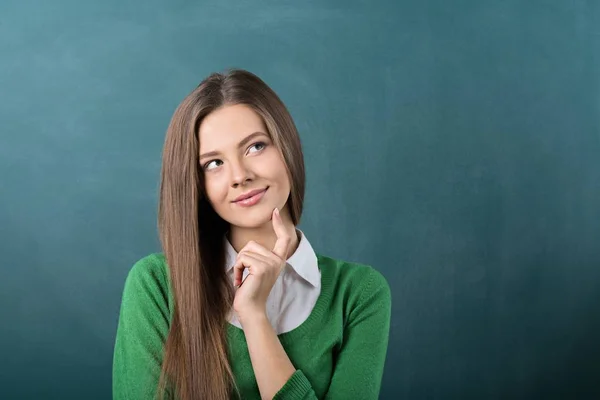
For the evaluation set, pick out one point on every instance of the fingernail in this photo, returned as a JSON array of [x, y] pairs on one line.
[[277, 211]]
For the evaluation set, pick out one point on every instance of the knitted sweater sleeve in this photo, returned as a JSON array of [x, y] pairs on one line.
[[142, 329], [359, 367]]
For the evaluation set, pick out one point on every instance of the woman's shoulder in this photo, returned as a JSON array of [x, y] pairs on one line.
[[362, 280], [147, 288], [150, 273], [153, 264]]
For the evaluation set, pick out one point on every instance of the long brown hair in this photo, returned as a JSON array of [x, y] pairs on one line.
[[196, 363]]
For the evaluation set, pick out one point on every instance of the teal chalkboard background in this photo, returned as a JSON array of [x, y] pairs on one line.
[[453, 145]]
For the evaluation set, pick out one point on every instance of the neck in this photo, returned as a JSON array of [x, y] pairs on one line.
[[264, 235]]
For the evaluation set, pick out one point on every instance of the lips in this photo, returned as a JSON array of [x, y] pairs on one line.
[[249, 194]]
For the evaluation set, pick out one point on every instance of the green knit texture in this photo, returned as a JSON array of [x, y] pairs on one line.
[[339, 351]]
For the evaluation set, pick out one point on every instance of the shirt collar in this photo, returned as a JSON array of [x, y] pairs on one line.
[[303, 261]]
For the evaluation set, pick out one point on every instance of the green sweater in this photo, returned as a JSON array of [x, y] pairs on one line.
[[338, 352]]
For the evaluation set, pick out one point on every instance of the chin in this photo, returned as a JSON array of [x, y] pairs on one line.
[[251, 219]]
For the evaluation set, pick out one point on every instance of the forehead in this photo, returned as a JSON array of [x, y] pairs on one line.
[[228, 125]]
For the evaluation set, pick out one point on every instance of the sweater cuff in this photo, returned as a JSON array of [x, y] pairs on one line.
[[296, 388]]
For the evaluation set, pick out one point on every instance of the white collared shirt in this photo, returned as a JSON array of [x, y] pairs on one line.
[[295, 292]]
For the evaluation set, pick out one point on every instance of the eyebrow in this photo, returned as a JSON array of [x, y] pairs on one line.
[[241, 144]]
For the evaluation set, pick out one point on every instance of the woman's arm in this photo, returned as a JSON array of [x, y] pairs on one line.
[[142, 329], [359, 364], [272, 366]]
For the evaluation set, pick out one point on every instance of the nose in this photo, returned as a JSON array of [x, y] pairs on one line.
[[240, 174]]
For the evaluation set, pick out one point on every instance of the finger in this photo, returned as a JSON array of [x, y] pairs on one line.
[[257, 260], [252, 261], [283, 239], [255, 247], [241, 262]]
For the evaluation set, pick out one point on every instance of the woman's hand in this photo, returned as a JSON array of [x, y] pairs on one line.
[[264, 266]]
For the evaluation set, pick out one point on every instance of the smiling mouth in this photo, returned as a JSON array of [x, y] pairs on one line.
[[250, 201]]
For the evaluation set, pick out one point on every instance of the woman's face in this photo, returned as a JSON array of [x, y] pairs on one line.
[[237, 157]]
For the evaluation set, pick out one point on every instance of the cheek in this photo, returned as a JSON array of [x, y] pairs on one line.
[[275, 166], [282, 178], [216, 191]]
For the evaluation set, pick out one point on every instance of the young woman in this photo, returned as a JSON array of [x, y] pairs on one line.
[[238, 304]]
